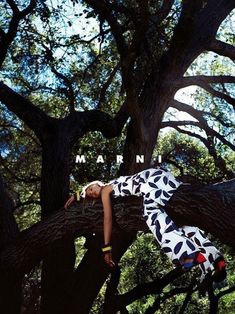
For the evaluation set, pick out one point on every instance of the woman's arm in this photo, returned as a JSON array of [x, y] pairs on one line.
[[105, 196]]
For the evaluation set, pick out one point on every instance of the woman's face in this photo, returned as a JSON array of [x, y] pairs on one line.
[[93, 191]]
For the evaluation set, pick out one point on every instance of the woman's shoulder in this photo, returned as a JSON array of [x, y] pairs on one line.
[[106, 189]]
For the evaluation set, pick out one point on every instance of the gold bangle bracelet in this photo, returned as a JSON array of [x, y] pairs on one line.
[[107, 249]]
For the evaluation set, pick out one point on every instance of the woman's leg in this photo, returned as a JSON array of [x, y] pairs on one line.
[[172, 239]]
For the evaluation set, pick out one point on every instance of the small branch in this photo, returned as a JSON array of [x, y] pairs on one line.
[[7, 38], [28, 9], [154, 287], [224, 292], [106, 86], [219, 94], [188, 297], [8, 125], [202, 123], [222, 48], [29, 202], [209, 144], [70, 93]]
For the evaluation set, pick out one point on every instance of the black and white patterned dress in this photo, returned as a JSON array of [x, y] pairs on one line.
[[157, 186]]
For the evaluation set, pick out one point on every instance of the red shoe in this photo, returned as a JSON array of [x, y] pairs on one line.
[[219, 274]]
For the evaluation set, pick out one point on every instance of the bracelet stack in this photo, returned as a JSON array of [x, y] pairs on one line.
[[76, 196], [107, 248]]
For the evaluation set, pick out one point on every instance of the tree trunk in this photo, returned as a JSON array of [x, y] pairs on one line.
[[10, 285], [58, 265]]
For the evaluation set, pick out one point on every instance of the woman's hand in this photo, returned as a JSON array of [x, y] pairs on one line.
[[108, 259], [69, 202]]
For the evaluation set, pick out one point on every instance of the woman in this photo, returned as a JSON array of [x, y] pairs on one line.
[[186, 246]]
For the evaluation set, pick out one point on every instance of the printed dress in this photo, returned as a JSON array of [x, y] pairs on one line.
[[156, 186]]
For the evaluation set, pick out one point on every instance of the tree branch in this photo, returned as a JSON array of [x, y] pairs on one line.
[[13, 6], [106, 86], [34, 117], [28, 9], [219, 94], [198, 114], [7, 38], [209, 144], [222, 48], [96, 120], [205, 81], [199, 79], [173, 124], [207, 207], [209, 131], [164, 10], [154, 287], [224, 292], [104, 9], [70, 92]]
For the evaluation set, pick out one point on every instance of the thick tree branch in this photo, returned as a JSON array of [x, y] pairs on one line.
[[199, 79], [34, 117], [222, 48], [205, 81], [219, 94], [173, 124], [197, 26], [28, 9], [10, 287], [96, 120], [13, 6], [207, 207]]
